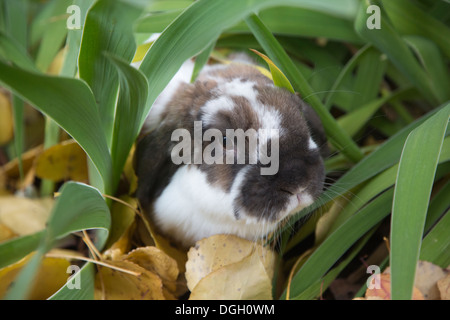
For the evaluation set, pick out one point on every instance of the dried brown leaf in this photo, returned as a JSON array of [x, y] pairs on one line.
[[427, 276], [384, 291], [111, 284], [24, 216], [156, 261], [443, 285], [246, 279], [51, 276], [228, 267]]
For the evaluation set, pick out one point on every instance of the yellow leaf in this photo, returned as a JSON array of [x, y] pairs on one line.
[[129, 173], [141, 51], [228, 267], [279, 79], [427, 276], [166, 246], [444, 287], [52, 275], [6, 119], [327, 220], [425, 281], [212, 253], [111, 284], [6, 233], [23, 215], [156, 261], [246, 279], [11, 169], [63, 161], [56, 65], [384, 291]]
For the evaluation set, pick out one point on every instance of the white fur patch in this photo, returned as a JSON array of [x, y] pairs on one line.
[[296, 203], [182, 76], [210, 109], [312, 145], [196, 209], [238, 87]]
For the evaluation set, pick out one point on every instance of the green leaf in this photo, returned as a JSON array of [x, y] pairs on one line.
[[274, 50], [436, 245], [415, 178], [279, 79], [199, 25], [201, 60], [13, 43], [130, 111], [54, 33], [70, 103], [385, 156], [320, 285], [79, 207], [73, 41], [371, 68], [388, 41], [311, 23], [17, 248], [409, 19], [354, 121], [86, 276], [345, 72], [439, 203], [433, 63], [337, 243], [11, 50], [108, 28], [378, 184]]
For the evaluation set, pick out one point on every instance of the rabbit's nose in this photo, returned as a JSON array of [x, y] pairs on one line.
[[304, 199]]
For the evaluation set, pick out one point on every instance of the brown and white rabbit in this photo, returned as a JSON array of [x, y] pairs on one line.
[[191, 201]]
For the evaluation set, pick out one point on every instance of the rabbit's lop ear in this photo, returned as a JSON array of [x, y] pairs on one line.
[[316, 129], [153, 166]]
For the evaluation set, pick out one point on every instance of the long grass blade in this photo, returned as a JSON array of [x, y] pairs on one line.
[[277, 54], [415, 177], [78, 207], [70, 103]]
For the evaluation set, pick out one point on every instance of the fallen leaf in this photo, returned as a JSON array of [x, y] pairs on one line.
[[384, 290], [111, 284], [152, 259], [51, 276], [246, 279], [156, 261], [167, 247], [427, 276], [228, 267], [212, 253], [6, 233], [443, 285], [11, 169], [64, 161], [24, 216]]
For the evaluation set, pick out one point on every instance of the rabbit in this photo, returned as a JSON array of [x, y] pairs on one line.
[[191, 200]]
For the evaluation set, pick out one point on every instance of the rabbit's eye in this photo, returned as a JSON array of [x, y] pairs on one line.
[[228, 144]]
